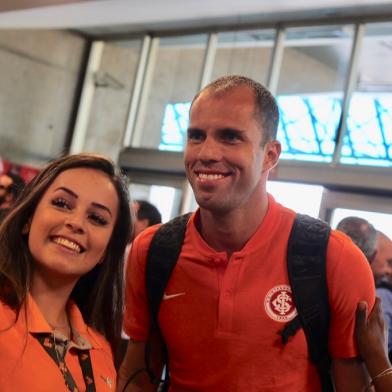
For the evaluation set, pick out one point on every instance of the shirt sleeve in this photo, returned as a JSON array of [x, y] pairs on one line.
[[386, 302], [137, 317], [350, 280]]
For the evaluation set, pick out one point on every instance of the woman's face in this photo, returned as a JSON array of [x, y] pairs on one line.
[[73, 223]]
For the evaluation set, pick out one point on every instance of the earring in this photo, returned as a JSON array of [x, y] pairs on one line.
[[26, 228]]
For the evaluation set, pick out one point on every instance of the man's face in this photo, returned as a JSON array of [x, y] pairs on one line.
[[382, 263], [225, 161], [5, 182]]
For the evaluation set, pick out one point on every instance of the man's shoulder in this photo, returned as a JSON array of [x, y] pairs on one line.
[[344, 253], [339, 239]]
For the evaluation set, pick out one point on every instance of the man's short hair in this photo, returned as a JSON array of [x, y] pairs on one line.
[[363, 234], [17, 183], [148, 211], [266, 108]]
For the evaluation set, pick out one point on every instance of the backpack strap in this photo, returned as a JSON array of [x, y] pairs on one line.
[[165, 248], [306, 265]]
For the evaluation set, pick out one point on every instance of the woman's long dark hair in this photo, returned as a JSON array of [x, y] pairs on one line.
[[99, 293]]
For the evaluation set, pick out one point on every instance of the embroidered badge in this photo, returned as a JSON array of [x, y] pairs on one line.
[[279, 304]]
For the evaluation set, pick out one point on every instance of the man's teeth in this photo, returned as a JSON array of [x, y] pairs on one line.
[[205, 176], [67, 243]]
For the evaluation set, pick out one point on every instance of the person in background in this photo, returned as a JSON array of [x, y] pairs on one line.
[[370, 334], [11, 185], [382, 270], [146, 215], [382, 262], [61, 276], [377, 248], [362, 233]]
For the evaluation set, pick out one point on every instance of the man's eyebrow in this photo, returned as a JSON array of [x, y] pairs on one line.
[[194, 129], [229, 129], [94, 204]]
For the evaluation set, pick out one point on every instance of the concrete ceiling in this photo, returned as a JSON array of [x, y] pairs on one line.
[[118, 16]]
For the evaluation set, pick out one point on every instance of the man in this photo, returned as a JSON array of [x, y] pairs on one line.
[[377, 248], [229, 295], [382, 271], [362, 233], [382, 263], [11, 184], [146, 215]]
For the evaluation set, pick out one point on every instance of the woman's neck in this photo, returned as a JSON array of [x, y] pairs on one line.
[[51, 298]]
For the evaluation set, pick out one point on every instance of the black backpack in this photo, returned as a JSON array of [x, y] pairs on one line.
[[306, 255]]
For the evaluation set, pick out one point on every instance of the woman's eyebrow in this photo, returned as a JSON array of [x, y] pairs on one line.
[[67, 190], [101, 206], [94, 204]]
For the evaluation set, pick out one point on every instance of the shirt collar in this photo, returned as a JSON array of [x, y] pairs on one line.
[[36, 323]]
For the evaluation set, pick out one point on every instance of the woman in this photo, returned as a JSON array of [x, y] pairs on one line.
[[370, 333], [61, 262]]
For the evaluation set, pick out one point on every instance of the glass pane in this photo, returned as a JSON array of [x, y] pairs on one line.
[[368, 140], [305, 199], [175, 124], [380, 221], [246, 53], [310, 90], [175, 80], [113, 89], [166, 199]]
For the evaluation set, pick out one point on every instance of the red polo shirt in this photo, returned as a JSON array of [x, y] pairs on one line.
[[220, 318]]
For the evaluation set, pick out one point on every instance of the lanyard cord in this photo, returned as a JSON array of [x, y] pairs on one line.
[[48, 342]]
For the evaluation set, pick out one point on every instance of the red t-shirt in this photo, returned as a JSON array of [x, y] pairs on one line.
[[220, 318]]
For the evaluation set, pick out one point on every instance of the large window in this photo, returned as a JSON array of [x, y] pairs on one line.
[[310, 90], [368, 139], [316, 116]]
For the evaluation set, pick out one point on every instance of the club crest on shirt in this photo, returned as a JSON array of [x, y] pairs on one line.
[[279, 304]]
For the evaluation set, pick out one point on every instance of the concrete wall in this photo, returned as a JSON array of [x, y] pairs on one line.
[[39, 73]]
